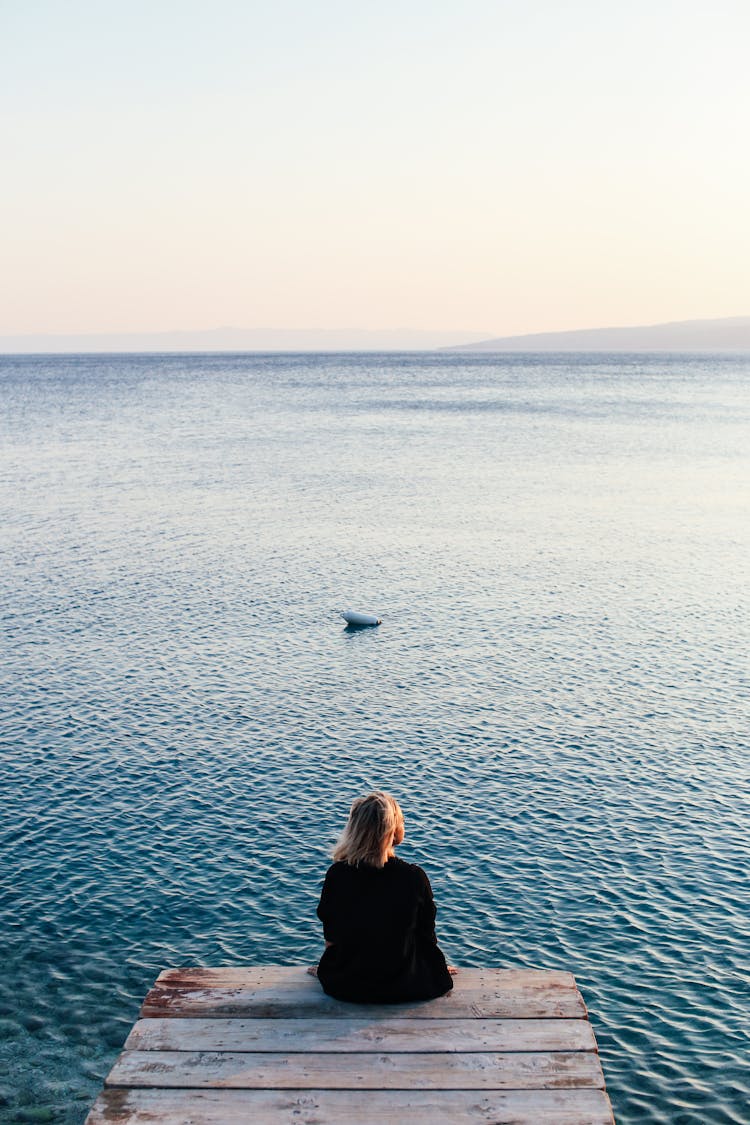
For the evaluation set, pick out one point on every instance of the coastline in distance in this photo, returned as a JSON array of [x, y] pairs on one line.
[[727, 334]]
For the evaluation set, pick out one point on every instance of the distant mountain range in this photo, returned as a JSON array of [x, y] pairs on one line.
[[729, 334], [236, 340]]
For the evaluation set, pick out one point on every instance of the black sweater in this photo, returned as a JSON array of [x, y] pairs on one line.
[[381, 925]]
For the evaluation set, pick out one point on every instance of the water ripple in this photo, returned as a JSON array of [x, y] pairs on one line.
[[558, 694]]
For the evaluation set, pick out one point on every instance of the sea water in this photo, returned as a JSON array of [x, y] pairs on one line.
[[558, 694]]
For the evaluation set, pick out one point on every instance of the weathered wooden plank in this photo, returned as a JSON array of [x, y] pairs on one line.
[[301, 1001], [259, 976], [391, 1035], [118, 1106], [229, 976], [507, 1045], [488, 1070]]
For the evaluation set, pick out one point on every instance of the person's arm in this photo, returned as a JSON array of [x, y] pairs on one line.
[[323, 911], [426, 910], [327, 906], [426, 914]]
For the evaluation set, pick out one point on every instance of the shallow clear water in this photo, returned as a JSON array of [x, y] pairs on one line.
[[558, 694]]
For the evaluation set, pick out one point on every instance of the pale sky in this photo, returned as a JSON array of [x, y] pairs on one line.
[[494, 167]]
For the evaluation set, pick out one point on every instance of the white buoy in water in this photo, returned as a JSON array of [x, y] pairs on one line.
[[360, 619]]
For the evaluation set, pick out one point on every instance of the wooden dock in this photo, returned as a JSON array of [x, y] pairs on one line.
[[265, 1045]]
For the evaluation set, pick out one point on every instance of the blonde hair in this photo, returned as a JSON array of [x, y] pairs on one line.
[[375, 825]]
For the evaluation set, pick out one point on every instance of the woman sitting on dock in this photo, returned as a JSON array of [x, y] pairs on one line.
[[378, 914]]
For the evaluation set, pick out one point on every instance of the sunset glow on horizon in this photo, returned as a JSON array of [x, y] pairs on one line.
[[482, 167]]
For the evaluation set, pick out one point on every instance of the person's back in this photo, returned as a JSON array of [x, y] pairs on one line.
[[378, 915]]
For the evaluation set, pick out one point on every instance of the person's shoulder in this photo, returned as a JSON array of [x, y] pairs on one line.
[[405, 864], [396, 863], [411, 870], [337, 869]]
